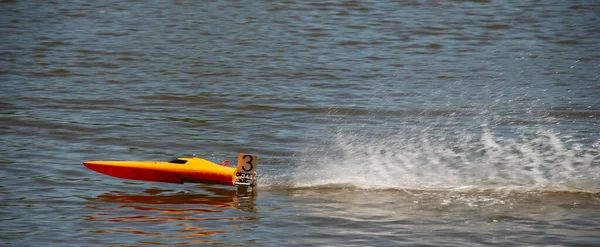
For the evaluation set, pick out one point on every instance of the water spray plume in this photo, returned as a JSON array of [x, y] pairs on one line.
[[541, 162]]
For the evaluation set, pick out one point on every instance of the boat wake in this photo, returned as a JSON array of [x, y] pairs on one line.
[[540, 162]]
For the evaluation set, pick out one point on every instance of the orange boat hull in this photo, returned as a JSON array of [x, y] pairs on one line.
[[184, 170]]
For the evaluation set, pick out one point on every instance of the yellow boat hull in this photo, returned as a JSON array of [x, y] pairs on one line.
[[181, 170]]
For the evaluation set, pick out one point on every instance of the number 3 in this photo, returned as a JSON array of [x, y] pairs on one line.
[[247, 163], [248, 159]]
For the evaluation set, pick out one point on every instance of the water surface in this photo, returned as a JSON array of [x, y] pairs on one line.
[[398, 123]]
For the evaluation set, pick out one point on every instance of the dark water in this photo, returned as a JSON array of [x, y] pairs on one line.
[[377, 123]]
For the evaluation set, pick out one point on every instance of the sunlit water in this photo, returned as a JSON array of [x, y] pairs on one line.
[[457, 123]]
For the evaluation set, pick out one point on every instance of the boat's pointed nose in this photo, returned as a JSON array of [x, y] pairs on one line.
[[91, 164]]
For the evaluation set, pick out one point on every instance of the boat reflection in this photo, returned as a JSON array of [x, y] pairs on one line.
[[195, 217]]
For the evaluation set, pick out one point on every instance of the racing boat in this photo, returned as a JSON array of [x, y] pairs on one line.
[[182, 170]]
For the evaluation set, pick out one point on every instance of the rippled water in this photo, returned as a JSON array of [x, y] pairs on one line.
[[377, 123]]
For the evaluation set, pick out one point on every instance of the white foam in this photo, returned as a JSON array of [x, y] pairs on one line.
[[541, 161]]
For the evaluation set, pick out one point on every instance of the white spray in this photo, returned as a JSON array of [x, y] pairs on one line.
[[540, 161]]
